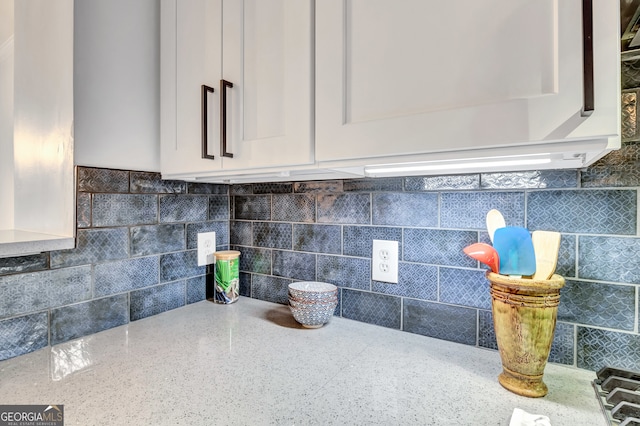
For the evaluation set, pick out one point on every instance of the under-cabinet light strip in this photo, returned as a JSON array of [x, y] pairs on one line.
[[457, 165]]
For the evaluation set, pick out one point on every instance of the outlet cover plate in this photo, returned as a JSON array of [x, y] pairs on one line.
[[384, 261], [206, 248]]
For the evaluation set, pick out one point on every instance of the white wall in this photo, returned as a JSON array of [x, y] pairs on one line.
[[6, 20], [6, 131], [6, 114], [117, 84]]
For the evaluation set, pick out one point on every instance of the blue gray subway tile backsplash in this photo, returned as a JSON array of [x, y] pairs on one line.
[[372, 308], [442, 183], [405, 209], [245, 284], [609, 259], [21, 335], [92, 246], [182, 264], [598, 304], [155, 300], [241, 189], [124, 209], [196, 289], [464, 287], [221, 228], [83, 210], [92, 180], [125, 275], [252, 207], [438, 247], [24, 264], [358, 240], [38, 291], [598, 348], [316, 187], [344, 208], [566, 265], [219, 207], [563, 343], [180, 208], [152, 183], [415, 280], [273, 235], [137, 234], [296, 265], [486, 333], [272, 188], [256, 260], [618, 169], [369, 185], [154, 239], [346, 272], [579, 211], [241, 232], [207, 188], [454, 323], [530, 179], [317, 238], [81, 319], [468, 210], [294, 208], [271, 289]]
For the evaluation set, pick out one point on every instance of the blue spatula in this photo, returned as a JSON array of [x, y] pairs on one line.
[[515, 250]]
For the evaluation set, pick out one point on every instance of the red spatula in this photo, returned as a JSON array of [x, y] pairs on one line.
[[484, 253]]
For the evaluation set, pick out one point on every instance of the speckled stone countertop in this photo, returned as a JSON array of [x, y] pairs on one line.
[[250, 363]]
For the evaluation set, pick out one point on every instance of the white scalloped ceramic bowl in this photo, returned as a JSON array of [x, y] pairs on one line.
[[317, 305], [312, 291], [313, 316], [312, 303]]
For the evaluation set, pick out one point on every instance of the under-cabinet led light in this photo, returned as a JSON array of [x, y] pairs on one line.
[[473, 163]]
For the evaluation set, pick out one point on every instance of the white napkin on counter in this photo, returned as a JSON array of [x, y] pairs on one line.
[[522, 418]]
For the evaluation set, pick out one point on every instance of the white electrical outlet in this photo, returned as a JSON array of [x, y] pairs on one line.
[[384, 261], [206, 248]]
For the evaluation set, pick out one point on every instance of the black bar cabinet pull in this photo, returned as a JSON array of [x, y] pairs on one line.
[[205, 147], [223, 118], [587, 57]]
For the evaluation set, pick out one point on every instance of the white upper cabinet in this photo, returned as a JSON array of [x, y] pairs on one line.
[[37, 185], [331, 87], [256, 58], [464, 78]]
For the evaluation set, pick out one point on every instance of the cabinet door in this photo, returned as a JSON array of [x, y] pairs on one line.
[[415, 76], [191, 45], [267, 55], [263, 48]]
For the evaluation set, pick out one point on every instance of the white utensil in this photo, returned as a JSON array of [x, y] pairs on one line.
[[495, 220]]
